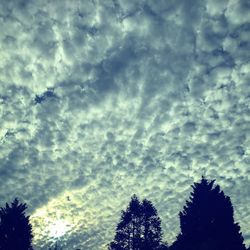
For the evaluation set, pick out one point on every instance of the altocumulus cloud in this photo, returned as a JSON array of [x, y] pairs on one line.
[[103, 99]]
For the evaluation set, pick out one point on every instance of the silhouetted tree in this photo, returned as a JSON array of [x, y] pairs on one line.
[[15, 229], [152, 233], [207, 221], [139, 228]]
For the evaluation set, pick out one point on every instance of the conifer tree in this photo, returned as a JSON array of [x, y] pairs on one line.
[[139, 228], [207, 221], [151, 225], [15, 228]]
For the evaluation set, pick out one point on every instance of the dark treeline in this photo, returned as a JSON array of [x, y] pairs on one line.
[[206, 223]]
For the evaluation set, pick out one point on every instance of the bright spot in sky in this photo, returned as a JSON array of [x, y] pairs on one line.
[[58, 229]]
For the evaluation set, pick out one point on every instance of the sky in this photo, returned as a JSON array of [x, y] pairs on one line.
[[103, 99]]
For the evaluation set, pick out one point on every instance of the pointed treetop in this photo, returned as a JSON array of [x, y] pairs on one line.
[[15, 228], [139, 228], [207, 220]]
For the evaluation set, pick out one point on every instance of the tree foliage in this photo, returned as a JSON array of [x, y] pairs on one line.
[[139, 228], [15, 228], [207, 221]]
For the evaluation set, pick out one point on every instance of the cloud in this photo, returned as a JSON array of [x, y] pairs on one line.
[[131, 97]]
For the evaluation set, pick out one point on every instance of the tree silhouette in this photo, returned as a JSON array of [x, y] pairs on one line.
[[15, 229], [207, 221], [139, 228]]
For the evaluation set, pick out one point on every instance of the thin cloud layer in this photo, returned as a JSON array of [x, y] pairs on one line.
[[103, 99]]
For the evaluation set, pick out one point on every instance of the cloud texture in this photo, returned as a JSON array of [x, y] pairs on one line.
[[103, 99]]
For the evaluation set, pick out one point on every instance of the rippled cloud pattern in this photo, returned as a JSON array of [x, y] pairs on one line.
[[101, 99]]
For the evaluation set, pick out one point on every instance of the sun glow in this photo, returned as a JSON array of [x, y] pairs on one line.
[[58, 229]]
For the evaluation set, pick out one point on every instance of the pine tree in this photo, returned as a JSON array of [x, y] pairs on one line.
[[207, 221], [15, 229], [139, 228], [151, 225]]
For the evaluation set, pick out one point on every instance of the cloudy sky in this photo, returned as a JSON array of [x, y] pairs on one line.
[[101, 99]]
